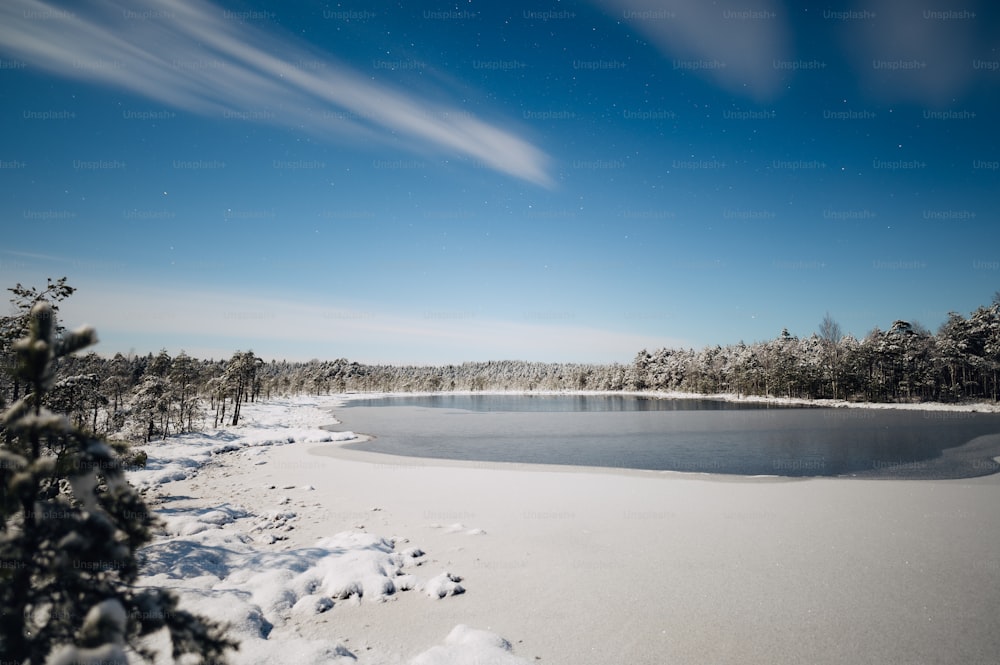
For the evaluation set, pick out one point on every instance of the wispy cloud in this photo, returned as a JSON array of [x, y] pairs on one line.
[[33, 255], [913, 52], [903, 51], [729, 41], [191, 55]]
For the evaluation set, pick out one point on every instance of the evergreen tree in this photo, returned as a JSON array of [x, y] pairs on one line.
[[14, 327], [71, 527], [183, 377], [241, 380], [148, 407]]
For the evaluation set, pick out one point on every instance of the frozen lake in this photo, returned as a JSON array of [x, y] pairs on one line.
[[680, 435]]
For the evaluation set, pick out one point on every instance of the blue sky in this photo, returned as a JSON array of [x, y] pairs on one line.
[[434, 182]]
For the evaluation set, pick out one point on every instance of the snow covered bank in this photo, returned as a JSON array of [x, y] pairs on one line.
[[980, 407], [231, 558], [275, 423]]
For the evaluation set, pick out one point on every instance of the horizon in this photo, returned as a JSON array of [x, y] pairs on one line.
[[436, 185], [223, 355]]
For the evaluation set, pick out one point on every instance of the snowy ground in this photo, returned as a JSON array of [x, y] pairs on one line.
[[230, 557], [320, 554]]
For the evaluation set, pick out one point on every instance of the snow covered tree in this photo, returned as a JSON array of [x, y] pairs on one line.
[[830, 334], [79, 397], [240, 380], [118, 379], [15, 326], [991, 346], [71, 527], [148, 407], [641, 370], [183, 376]]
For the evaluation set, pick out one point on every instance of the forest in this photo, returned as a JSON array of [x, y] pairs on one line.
[[147, 397]]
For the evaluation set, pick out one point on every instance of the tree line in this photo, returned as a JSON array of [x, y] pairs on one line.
[[905, 363], [154, 396]]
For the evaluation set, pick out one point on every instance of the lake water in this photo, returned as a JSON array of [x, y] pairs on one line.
[[688, 435]]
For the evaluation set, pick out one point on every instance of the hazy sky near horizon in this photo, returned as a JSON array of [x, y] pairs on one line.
[[441, 182]]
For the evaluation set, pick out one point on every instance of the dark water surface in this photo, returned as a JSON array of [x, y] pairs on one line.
[[688, 435]]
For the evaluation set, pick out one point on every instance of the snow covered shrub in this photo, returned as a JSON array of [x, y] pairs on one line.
[[71, 526]]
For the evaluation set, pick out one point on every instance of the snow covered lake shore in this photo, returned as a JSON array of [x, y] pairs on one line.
[[567, 564], [961, 407]]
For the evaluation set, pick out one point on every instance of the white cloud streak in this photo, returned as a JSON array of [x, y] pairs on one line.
[[902, 50], [189, 55], [733, 42], [907, 52]]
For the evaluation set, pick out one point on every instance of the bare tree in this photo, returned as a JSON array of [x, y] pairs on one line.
[[830, 334]]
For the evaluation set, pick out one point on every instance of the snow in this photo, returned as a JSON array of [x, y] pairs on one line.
[[557, 565], [443, 585], [108, 654], [465, 646], [459, 528], [180, 456], [106, 622], [226, 561]]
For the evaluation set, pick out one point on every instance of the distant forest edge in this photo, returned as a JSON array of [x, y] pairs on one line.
[[153, 396]]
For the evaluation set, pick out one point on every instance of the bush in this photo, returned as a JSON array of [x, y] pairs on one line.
[[131, 459]]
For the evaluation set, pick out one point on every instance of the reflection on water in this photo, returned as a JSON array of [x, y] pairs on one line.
[[571, 403], [708, 436]]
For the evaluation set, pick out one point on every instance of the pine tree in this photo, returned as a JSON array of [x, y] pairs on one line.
[[241, 379], [182, 375], [13, 328], [71, 527]]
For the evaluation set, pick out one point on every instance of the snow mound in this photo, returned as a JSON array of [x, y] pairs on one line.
[[190, 522], [299, 651], [108, 654], [443, 585], [221, 572], [458, 527], [312, 604], [413, 553], [105, 621], [465, 645]]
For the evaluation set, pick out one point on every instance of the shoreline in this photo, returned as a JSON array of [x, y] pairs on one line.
[[355, 450], [391, 461], [964, 407], [348, 450]]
